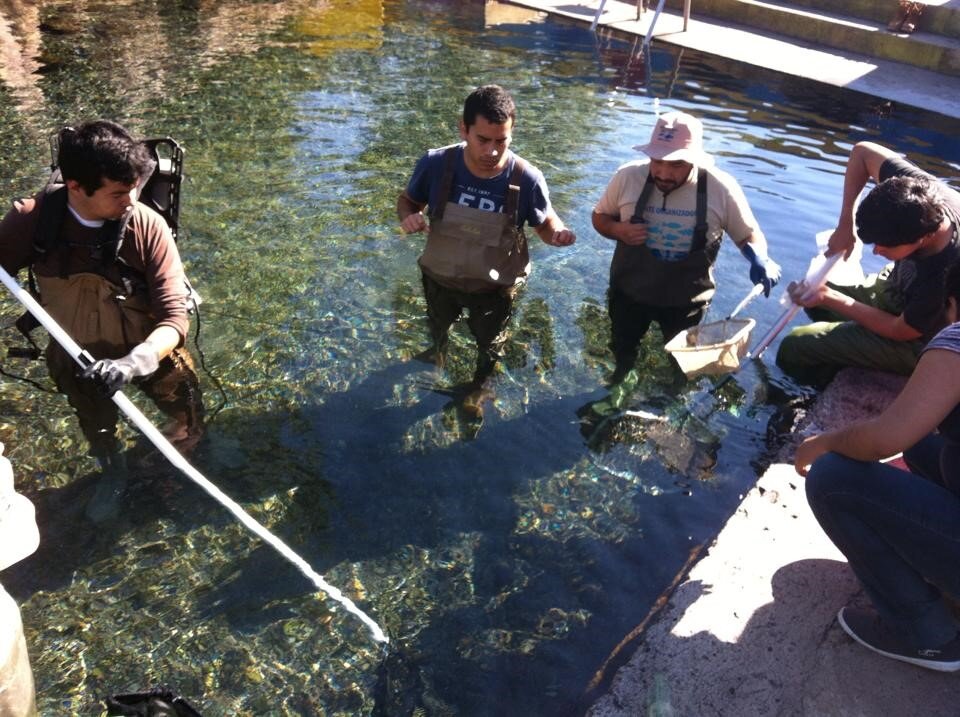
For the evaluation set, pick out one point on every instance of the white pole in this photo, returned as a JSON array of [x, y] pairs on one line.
[[656, 15], [813, 282], [159, 440], [596, 18]]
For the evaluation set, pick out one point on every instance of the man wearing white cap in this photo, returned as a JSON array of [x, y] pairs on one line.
[[668, 214]]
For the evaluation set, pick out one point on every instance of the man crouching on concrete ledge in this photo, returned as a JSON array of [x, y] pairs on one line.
[[899, 530], [911, 218]]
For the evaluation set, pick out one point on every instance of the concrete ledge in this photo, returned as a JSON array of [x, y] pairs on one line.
[[837, 29], [939, 16], [752, 631], [895, 81]]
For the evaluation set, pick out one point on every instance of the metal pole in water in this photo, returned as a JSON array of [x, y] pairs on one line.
[[159, 440], [596, 18]]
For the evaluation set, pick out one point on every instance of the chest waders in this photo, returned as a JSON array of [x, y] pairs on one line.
[[105, 308], [474, 260], [473, 250], [640, 275]]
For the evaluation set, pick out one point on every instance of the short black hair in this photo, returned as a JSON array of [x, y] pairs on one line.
[[102, 150], [900, 210], [492, 102]]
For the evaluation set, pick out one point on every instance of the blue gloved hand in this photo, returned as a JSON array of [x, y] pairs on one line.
[[763, 270]]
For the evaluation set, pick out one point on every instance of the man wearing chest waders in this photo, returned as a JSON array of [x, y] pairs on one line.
[[108, 271], [667, 214], [480, 194]]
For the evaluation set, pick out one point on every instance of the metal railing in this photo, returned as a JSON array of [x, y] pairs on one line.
[[640, 8]]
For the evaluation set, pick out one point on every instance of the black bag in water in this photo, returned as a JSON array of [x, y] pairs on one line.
[[157, 702]]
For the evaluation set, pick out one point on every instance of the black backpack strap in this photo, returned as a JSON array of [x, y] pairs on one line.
[[111, 239], [446, 183], [700, 229], [641, 205], [161, 191], [53, 209], [512, 204]]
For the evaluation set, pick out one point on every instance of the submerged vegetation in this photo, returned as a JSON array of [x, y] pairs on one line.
[[505, 559]]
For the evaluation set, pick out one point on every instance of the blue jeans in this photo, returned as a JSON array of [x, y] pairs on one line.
[[900, 533]]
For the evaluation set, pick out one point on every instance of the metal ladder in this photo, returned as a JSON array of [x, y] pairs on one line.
[[656, 15]]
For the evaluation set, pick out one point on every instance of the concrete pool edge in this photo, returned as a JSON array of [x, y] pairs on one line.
[[751, 629]]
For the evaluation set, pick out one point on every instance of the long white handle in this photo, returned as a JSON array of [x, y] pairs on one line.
[[173, 455], [754, 293], [813, 282]]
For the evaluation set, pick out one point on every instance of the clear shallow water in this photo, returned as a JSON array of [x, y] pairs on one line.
[[505, 563]]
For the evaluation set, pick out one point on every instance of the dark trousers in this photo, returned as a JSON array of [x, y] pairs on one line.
[[813, 354], [630, 320], [899, 531], [488, 315]]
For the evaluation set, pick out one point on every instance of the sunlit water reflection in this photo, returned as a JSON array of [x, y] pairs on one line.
[[505, 561]]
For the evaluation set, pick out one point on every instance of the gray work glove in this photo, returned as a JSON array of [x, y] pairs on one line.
[[110, 375]]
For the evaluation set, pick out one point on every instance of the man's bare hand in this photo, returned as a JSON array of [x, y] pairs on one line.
[[564, 237], [633, 234], [415, 222], [842, 240], [803, 295]]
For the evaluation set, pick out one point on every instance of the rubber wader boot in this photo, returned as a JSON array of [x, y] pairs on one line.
[[615, 401], [105, 502], [623, 365]]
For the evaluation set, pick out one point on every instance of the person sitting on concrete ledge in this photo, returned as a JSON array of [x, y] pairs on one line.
[[900, 531], [911, 218]]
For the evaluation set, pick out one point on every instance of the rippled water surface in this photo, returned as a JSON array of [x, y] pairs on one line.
[[505, 560]]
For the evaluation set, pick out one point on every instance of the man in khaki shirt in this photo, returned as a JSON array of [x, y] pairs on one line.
[[667, 215]]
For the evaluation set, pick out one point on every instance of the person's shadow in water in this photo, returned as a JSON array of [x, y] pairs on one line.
[[70, 540], [791, 658], [361, 492], [364, 491]]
